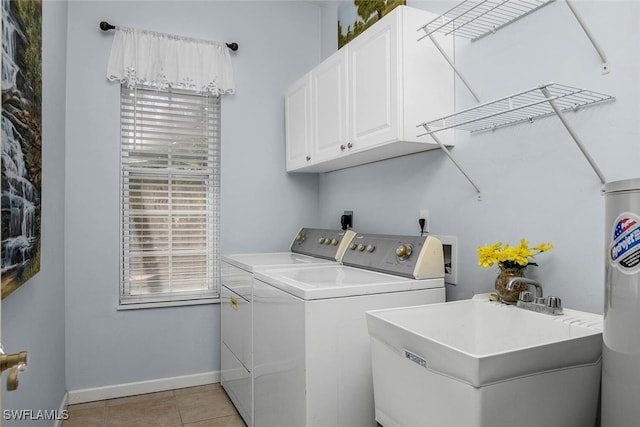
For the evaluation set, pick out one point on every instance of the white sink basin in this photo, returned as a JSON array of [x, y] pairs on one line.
[[480, 342]]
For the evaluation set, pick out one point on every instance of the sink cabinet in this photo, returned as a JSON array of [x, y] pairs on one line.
[[477, 363], [362, 104]]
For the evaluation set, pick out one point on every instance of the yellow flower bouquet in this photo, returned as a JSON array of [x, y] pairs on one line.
[[512, 261], [510, 256]]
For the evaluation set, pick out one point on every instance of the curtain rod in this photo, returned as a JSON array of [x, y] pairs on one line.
[[105, 26]]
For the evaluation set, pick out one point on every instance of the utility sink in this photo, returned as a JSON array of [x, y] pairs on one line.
[[481, 342], [480, 354]]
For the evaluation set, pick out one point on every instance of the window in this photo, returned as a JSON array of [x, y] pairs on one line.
[[170, 190]]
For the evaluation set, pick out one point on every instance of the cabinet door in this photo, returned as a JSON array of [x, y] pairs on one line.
[[297, 104], [329, 95], [373, 85]]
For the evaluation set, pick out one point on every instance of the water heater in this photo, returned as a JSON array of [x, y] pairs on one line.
[[621, 352]]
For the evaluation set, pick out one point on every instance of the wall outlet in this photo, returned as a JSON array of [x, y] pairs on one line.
[[346, 220], [424, 214]]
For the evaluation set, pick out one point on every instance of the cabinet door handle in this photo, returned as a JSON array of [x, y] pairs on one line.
[[342, 147], [308, 158], [234, 303], [350, 145]]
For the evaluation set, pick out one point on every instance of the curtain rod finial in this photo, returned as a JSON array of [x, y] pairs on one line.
[[105, 26]]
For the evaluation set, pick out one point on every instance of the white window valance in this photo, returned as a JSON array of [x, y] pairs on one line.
[[140, 57]]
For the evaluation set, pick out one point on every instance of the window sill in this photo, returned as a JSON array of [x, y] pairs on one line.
[[136, 306]]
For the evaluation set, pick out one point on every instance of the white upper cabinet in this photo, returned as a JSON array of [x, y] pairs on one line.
[[362, 104], [297, 105], [373, 85], [329, 106]]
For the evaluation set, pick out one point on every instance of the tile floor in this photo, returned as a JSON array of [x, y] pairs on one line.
[[203, 406]]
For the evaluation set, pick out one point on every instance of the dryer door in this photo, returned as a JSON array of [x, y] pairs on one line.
[[236, 352], [235, 326]]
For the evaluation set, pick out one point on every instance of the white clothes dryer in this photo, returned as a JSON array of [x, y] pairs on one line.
[[310, 247], [312, 363]]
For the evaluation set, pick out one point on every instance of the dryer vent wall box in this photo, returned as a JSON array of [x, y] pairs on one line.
[[362, 104], [450, 249]]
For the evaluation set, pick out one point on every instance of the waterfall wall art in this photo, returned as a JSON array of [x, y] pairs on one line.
[[21, 141]]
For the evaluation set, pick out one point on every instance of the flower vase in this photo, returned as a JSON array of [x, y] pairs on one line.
[[506, 274]]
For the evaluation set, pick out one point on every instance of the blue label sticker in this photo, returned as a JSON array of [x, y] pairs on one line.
[[625, 243]]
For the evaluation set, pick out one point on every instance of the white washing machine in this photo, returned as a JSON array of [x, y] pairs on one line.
[[312, 363], [310, 247]]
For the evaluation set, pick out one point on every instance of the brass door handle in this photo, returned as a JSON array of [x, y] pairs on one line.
[[16, 363], [234, 303], [8, 361], [12, 379]]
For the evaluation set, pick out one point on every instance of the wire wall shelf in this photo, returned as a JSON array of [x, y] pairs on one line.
[[521, 107], [474, 19], [526, 106]]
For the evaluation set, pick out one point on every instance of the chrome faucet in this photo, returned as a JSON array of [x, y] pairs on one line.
[[526, 300], [526, 281]]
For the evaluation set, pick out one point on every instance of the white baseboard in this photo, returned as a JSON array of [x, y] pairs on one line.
[[141, 387], [63, 406]]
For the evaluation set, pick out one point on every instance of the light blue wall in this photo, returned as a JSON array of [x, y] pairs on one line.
[[535, 182], [33, 315], [329, 37], [262, 206]]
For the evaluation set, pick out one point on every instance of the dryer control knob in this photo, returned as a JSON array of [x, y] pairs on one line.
[[361, 247], [403, 251]]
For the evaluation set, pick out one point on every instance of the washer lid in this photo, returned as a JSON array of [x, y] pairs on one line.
[[623, 185], [250, 262], [334, 281]]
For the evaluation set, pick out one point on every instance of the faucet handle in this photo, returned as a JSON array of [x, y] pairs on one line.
[[553, 302], [525, 296]]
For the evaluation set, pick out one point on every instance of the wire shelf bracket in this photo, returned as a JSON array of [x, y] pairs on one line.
[[453, 160], [526, 106], [605, 64], [455, 69]]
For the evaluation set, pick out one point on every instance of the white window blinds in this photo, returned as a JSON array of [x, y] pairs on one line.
[[170, 187]]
